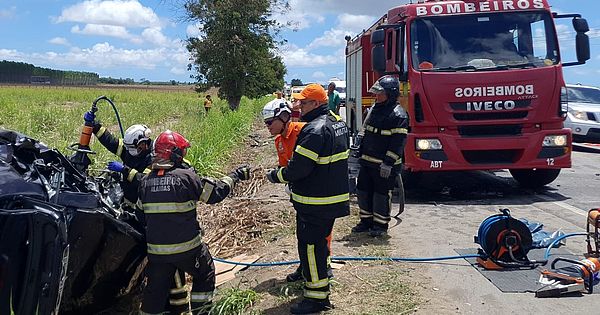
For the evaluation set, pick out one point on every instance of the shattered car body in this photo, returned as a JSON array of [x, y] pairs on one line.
[[64, 245]]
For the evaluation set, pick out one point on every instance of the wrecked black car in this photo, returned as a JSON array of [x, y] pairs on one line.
[[65, 246]]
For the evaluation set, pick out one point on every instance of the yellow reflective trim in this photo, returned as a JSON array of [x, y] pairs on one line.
[[317, 284], [316, 294], [333, 158], [169, 207], [337, 117], [179, 302], [312, 263], [178, 282], [400, 130], [371, 159], [120, 147], [171, 249], [178, 290], [386, 132], [131, 175], [307, 153], [228, 180], [206, 191], [202, 296], [100, 132], [280, 176], [147, 171], [392, 155], [320, 200]]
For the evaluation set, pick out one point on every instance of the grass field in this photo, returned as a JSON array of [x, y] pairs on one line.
[[55, 116]]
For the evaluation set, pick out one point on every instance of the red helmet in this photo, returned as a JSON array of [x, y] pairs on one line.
[[170, 146]]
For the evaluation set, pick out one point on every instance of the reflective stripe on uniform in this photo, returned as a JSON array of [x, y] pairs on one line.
[[171, 249], [228, 180], [120, 147], [131, 175], [312, 263], [386, 132], [147, 171], [320, 200], [307, 153], [202, 296], [321, 295], [179, 288], [183, 301], [100, 132], [280, 176], [144, 313], [337, 117], [317, 284], [364, 214], [333, 158], [392, 155], [206, 191], [378, 161], [380, 219], [169, 207]]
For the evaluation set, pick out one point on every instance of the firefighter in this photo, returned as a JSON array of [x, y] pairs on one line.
[[318, 177], [380, 153], [168, 197], [135, 152]]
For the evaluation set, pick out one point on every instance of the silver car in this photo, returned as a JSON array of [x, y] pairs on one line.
[[583, 116]]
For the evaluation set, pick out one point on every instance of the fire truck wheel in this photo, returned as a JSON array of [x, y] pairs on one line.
[[534, 178]]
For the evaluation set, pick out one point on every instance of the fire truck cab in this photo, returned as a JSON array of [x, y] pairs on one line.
[[481, 80]]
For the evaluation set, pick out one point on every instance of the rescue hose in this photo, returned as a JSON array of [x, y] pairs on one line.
[[562, 237], [350, 258], [114, 108]]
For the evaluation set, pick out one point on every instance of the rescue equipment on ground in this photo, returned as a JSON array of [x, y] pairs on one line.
[[593, 235], [505, 242]]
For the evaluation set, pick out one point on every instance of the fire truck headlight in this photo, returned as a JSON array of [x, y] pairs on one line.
[[428, 144], [555, 141]]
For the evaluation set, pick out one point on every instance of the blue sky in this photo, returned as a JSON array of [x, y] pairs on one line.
[[144, 39]]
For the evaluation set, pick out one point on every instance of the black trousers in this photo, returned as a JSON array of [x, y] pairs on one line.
[[375, 196], [314, 254], [162, 275]]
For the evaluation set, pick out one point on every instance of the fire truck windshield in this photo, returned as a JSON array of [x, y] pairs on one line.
[[483, 42]]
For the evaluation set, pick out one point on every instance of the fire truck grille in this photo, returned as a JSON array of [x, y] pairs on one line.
[[491, 156], [490, 131], [491, 116]]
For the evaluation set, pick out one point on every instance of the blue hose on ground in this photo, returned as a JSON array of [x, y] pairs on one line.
[[547, 254], [350, 258]]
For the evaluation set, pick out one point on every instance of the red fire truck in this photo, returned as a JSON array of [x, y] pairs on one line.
[[481, 81]]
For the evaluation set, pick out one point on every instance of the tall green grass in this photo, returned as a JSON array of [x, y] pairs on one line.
[[55, 116]]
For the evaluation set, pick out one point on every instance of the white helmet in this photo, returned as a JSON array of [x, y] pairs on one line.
[[134, 135], [275, 108]]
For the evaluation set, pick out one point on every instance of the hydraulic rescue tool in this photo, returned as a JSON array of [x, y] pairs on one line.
[[505, 242], [80, 158]]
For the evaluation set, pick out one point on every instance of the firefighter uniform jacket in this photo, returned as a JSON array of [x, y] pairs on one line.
[[385, 133], [135, 166], [318, 170], [168, 199]]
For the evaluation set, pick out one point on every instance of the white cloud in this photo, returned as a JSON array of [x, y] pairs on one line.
[[318, 75], [7, 14], [11, 54], [59, 41], [373, 8], [102, 30], [155, 36], [129, 13], [193, 30], [294, 56], [178, 70]]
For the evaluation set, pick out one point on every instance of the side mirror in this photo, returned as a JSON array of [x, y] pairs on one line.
[[580, 25], [378, 58], [378, 37], [582, 47]]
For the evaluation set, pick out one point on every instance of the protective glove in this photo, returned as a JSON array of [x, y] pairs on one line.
[[89, 117], [115, 166], [385, 170], [270, 174], [242, 172]]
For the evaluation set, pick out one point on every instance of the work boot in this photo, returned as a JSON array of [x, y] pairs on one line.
[[310, 306], [361, 227], [377, 231], [295, 276]]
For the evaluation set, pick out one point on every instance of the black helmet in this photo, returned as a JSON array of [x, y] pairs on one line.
[[387, 84]]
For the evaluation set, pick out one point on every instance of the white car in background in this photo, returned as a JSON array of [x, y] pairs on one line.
[[583, 116]]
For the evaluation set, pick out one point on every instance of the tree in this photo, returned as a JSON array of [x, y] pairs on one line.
[[296, 82], [236, 49]]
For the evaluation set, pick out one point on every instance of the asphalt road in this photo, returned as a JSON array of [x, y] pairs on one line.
[[444, 212]]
